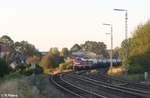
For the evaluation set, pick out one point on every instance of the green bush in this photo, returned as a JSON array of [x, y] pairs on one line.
[[139, 64], [29, 71], [38, 69]]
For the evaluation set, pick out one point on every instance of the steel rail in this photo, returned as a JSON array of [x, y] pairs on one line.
[[72, 89], [137, 86], [116, 88]]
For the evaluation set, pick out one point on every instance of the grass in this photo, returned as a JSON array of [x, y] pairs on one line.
[[23, 86], [15, 83], [120, 72], [130, 77], [117, 70]]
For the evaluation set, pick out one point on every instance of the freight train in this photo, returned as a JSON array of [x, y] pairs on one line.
[[93, 64]]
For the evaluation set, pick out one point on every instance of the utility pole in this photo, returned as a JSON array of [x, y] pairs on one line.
[[111, 38], [126, 34]]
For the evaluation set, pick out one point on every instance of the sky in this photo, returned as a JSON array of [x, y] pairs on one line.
[[62, 23]]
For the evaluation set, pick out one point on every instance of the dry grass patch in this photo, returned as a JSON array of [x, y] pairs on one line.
[[116, 70]]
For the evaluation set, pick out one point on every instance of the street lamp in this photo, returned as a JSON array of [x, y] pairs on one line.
[[126, 33], [111, 52]]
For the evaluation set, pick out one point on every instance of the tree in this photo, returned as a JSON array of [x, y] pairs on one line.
[[22, 50], [7, 40], [54, 51], [52, 59], [32, 59], [97, 47], [27, 49], [138, 49], [65, 52], [18, 52], [122, 51], [45, 63], [116, 53], [92, 46], [9, 43]]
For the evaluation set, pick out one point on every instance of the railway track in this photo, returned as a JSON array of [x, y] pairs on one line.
[[131, 84], [80, 86], [72, 89], [123, 83], [110, 89]]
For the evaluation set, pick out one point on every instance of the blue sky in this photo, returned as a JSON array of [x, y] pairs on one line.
[[62, 23]]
